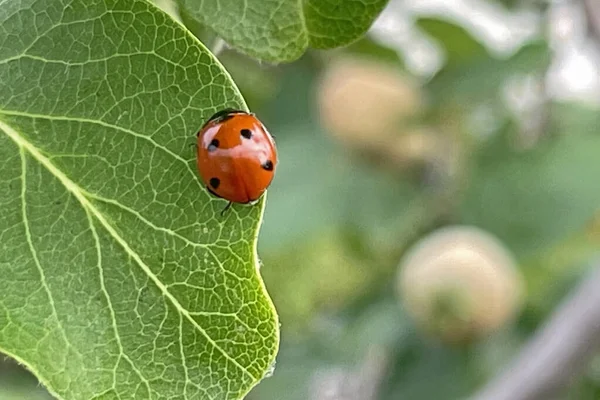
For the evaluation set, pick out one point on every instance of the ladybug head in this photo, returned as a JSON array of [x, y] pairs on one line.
[[224, 115]]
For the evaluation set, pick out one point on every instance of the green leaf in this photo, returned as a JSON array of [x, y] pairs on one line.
[[454, 379], [481, 78], [459, 44], [370, 49], [535, 199], [257, 83], [119, 276], [282, 30]]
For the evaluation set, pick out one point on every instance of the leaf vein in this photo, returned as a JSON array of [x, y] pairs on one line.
[[86, 204], [111, 309], [106, 125], [34, 254], [170, 232]]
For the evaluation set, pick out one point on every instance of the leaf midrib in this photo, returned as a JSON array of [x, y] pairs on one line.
[[82, 120], [76, 191]]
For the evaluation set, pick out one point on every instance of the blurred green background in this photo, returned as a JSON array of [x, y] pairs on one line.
[[448, 113]]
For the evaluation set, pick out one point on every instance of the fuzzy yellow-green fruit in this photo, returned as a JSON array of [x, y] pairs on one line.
[[460, 283], [368, 105], [363, 100]]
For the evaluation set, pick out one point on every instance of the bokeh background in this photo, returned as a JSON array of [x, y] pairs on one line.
[[437, 198]]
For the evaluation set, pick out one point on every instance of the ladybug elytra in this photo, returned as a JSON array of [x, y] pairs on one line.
[[236, 156]]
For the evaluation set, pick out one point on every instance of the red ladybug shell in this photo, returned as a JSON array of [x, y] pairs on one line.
[[236, 156]]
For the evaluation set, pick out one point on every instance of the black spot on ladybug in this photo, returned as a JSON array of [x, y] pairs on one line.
[[268, 165], [246, 133], [214, 182], [214, 144]]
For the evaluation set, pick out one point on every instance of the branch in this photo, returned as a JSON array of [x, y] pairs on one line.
[[592, 15], [560, 351]]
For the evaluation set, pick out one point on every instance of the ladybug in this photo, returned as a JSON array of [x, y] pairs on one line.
[[236, 156]]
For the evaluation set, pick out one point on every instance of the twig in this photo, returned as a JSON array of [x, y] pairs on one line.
[[560, 351], [592, 15]]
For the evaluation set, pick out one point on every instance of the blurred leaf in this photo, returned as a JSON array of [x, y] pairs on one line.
[[329, 194], [510, 3], [461, 46], [322, 200], [282, 30], [551, 274], [294, 103], [297, 363], [257, 82], [319, 185], [16, 383], [426, 371], [482, 78], [202, 32], [326, 187], [533, 58], [530, 5], [367, 47], [298, 295], [119, 276], [382, 324], [335, 343], [534, 199], [583, 388], [575, 118], [587, 386], [29, 392], [493, 353]]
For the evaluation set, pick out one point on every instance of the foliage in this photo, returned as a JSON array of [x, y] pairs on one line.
[[282, 30], [534, 199], [539, 200], [122, 278]]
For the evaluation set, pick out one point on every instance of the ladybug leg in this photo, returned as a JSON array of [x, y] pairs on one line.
[[227, 207]]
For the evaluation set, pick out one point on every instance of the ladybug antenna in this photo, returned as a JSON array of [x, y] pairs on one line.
[[227, 207]]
